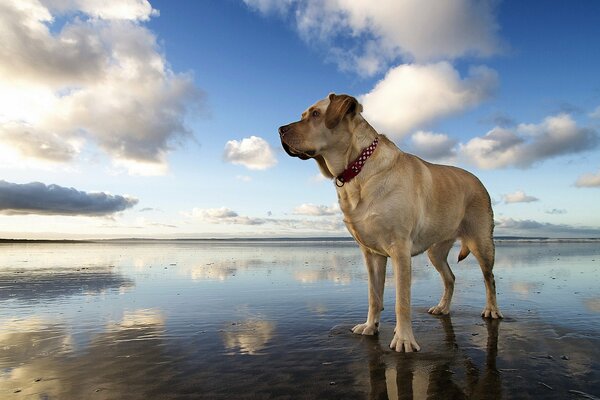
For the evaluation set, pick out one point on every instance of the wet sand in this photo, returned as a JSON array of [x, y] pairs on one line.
[[179, 320]]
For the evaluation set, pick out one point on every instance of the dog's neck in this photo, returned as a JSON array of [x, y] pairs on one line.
[[337, 162]]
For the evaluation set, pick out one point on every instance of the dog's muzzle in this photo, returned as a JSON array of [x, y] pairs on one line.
[[291, 151]]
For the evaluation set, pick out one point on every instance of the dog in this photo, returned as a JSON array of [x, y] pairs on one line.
[[396, 205]]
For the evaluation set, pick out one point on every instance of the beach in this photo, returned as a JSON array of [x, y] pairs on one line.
[[242, 319]]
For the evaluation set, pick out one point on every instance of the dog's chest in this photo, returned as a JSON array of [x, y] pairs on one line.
[[366, 233], [364, 219]]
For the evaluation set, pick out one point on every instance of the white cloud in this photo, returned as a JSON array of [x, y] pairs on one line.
[[595, 113], [224, 215], [213, 213], [433, 146], [369, 36], [316, 210], [411, 96], [101, 78], [383, 31], [117, 9], [529, 144], [519, 197], [253, 153], [588, 180]]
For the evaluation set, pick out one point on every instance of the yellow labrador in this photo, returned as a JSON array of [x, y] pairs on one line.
[[396, 205]]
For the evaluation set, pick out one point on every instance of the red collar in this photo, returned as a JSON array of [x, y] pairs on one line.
[[356, 166]]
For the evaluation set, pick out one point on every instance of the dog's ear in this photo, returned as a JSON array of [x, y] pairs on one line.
[[339, 107], [323, 167]]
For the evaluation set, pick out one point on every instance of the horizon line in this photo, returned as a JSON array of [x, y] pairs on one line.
[[265, 239]]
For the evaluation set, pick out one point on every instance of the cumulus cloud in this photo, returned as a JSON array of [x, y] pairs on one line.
[[100, 78], [422, 36], [383, 31], [519, 197], [529, 144], [38, 198], [411, 96], [588, 180], [253, 153], [527, 227], [316, 210], [433, 146]]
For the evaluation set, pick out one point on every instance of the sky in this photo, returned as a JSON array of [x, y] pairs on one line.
[[158, 119]]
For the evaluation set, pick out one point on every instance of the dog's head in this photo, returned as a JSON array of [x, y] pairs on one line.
[[324, 126]]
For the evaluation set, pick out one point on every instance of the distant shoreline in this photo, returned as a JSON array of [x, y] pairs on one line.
[[498, 239]]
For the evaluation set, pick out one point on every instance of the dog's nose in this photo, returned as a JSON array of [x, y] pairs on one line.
[[283, 130]]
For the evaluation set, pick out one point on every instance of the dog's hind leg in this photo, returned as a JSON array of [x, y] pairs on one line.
[[482, 248], [376, 265], [438, 255]]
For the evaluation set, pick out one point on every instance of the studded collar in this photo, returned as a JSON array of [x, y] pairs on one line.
[[356, 166]]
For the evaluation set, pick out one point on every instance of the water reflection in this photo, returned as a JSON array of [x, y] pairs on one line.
[[43, 284], [524, 289], [250, 320], [451, 374], [248, 337], [37, 361], [517, 255], [593, 304]]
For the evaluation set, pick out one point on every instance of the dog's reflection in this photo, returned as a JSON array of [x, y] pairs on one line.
[[450, 375]]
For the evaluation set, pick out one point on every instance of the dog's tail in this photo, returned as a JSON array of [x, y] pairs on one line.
[[464, 252]]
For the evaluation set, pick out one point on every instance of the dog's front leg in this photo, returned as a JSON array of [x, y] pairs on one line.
[[376, 267], [404, 339]]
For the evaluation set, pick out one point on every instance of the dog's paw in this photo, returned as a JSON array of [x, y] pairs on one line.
[[404, 342], [491, 312], [365, 329], [440, 309]]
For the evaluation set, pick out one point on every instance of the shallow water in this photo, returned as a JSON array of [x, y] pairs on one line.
[[246, 320]]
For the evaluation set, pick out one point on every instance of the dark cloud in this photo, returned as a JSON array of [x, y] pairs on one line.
[[37, 198]]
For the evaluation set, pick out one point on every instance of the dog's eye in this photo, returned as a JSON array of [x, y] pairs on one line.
[[315, 113]]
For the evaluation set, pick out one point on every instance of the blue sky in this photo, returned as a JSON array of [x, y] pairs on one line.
[[159, 119]]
